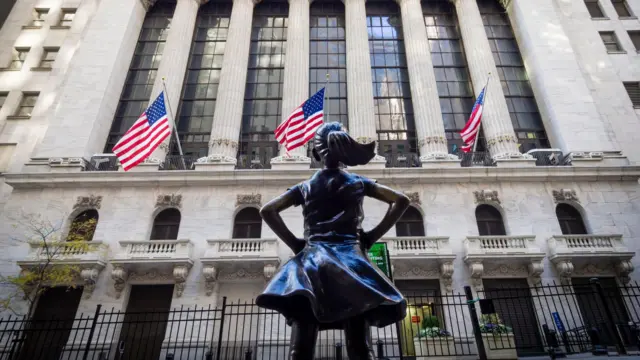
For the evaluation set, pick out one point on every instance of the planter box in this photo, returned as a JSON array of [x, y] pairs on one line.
[[500, 346], [438, 346]]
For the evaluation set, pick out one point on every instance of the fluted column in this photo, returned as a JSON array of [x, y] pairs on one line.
[[296, 73], [227, 118], [424, 90], [173, 65], [496, 121]]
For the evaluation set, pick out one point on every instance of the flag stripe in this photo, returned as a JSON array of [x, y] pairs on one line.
[[303, 122], [472, 127]]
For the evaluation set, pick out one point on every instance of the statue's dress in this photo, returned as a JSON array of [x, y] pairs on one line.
[[332, 279]]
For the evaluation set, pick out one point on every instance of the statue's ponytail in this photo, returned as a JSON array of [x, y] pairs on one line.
[[333, 145]]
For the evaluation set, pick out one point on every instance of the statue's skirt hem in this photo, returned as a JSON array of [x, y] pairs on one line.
[[330, 283]]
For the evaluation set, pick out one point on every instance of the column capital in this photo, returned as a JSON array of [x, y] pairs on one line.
[[308, 1], [148, 3], [346, 1], [254, 2]]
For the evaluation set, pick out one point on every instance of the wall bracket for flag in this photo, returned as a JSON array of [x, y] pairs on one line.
[[173, 123]]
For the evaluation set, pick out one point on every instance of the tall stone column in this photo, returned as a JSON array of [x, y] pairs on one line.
[[496, 121], [296, 77], [362, 121], [424, 91], [576, 124], [227, 118], [173, 65]]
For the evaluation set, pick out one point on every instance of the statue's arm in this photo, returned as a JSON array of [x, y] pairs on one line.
[[270, 213], [398, 204]]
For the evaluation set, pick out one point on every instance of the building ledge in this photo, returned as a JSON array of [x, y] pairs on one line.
[[60, 27], [38, 180], [18, 117], [41, 69]]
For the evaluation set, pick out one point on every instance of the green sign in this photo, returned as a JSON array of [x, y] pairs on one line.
[[378, 255]]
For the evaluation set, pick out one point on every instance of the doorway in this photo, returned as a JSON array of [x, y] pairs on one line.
[[145, 322]]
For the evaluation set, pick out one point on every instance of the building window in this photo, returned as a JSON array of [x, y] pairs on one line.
[[411, 223], [570, 220], [247, 224], [633, 89], [328, 55], [622, 8], [3, 98], [489, 221], [635, 39], [594, 9], [525, 116], [263, 92], [6, 153], [195, 113], [391, 90], [166, 225], [27, 104], [450, 67], [610, 41], [39, 17], [18, 58], [83, 226], [48, 57], [142, 71], [66, 18]]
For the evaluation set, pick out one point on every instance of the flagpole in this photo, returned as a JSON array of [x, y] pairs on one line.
[[475, 143], [173, 124], [326, 87]]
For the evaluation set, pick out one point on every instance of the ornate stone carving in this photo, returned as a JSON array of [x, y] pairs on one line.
[[414, 197], [269, 270], [418, 272], [535, 272], [91, 201], [486, 196], [180, 274], [623, 269], [506, 270], [595, 155], [446, 273], [432, 140], [170, 200], [217, 159], [89, 277], [119, 276], [439, 156], [72, 161], [151, 275], [249, 199], [210, 274], [226, 142], [505, 138], [565, 195], [241, 274], [593, 269], [476, 269], [565, 270]]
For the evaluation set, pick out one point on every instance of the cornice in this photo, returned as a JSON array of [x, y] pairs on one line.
[[396, 176]]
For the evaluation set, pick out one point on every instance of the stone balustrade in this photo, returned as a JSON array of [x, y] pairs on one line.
[[242, 248], [500, 245], [155, 249], [422, 246]]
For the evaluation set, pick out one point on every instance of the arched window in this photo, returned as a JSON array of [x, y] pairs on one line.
[[410, 224], [166, 225], [570, 220], [489, 221], [248, 224], [83, 226]]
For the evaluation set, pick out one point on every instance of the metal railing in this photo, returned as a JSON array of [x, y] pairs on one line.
[[102, 162], [407, 160], [177, 162], [252, 162], [475, 159]]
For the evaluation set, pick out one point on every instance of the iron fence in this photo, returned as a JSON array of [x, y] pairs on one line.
[[476, 159], [405, 160], [179, 162], [578, 318]]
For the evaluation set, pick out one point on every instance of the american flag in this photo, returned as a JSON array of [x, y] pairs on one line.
[[302, 124], [149, 131], [472, 127]]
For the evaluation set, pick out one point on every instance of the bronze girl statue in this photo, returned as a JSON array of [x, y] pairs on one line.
[[330, 283]]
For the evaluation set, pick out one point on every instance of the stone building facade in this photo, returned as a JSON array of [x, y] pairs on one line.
[[551, 195]]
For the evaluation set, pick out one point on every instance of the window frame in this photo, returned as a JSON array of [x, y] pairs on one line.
[[38, 15], [615, 40], [66, 24], [25, 95], [166, 227], [49, 62], [4, 95], [636, 34], [627, 8], [600, 8], [572, 220], [15, 58], [487, 221], [247, 226], [409, 225], [636, 84]]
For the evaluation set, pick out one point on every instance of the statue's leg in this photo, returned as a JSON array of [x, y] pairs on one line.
[[358, 339], [303, 340]]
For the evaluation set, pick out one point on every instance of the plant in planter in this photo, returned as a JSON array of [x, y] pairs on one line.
[[432, 339], [498, 339]]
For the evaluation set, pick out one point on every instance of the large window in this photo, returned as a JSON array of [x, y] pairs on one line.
[[450, 67], [142, 71], [83, 226], [570, 220], [489, 221], [195, 114], [523, 108], [391, 90], [328, 55], [263, 93], [166, 225], [410, 224], [247, 224]]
